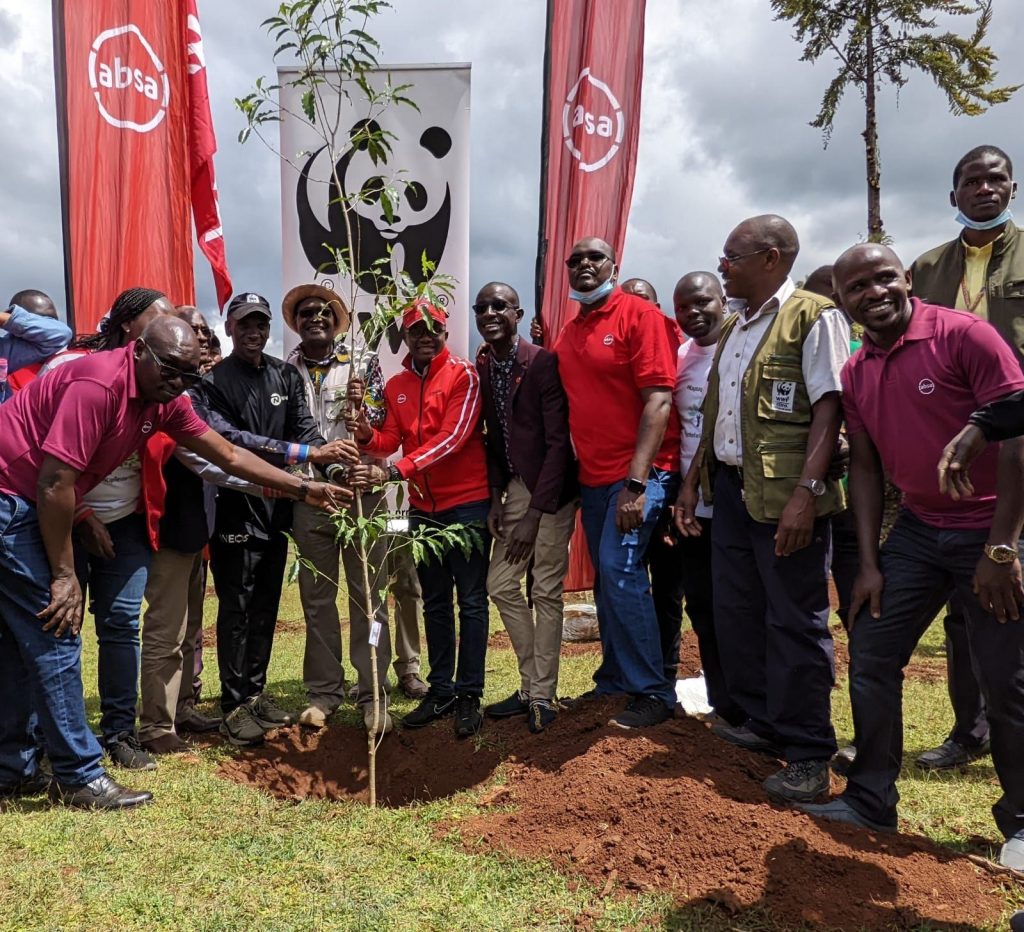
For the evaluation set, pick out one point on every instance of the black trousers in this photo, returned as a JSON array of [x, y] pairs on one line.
[[248, 578], [845, 560], [923, 566], [970, 723], [771, 621]]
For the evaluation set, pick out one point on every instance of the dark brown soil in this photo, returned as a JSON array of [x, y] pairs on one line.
[[672, 809]]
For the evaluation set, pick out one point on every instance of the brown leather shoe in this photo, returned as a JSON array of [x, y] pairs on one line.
[[413, 686], [166, 744], [102, 793]]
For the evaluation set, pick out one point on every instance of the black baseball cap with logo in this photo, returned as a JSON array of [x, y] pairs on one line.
[[246, 303]]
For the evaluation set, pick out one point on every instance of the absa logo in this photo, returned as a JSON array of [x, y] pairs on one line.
[[593, 123], [128, 79]]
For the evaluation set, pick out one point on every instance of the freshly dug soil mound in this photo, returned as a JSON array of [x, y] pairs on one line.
[[670, 809]]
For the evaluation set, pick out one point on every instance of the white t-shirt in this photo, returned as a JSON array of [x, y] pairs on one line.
[[692, 372]]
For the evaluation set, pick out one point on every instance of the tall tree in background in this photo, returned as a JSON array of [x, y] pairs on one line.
[[878, 41]]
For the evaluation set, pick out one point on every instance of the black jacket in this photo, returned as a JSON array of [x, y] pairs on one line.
[[269, 400]]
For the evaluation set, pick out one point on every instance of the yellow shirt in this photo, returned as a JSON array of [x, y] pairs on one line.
[[972, 295]]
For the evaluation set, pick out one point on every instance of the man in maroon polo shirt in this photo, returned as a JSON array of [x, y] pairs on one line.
[[58, 439], [922, 371], [618, 366]]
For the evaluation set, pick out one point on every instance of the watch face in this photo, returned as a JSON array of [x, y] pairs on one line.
[[1001, 553]]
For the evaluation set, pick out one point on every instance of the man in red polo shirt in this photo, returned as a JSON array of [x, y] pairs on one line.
[[922, 371], [617, 359], [59, 438]]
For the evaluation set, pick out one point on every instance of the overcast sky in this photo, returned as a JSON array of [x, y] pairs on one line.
[[724, 135]]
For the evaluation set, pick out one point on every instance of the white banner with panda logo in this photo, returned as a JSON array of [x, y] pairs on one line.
[[429, 164]]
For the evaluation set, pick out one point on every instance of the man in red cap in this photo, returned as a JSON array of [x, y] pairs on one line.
[[433, 414]]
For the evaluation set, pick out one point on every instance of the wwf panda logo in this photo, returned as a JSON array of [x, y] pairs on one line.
[[419, 223]]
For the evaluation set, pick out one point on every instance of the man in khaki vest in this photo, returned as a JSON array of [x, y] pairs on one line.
[[771, 419]]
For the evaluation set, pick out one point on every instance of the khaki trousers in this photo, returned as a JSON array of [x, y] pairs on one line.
[[405, 590], [167, 627], [536, 636], [322, 669]]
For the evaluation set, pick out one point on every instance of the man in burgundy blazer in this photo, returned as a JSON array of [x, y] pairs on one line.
[[532, 475]]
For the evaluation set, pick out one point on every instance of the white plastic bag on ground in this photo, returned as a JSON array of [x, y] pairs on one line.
[[692, 694], [579, 622]]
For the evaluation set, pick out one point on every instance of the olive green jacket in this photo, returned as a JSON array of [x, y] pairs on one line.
[[936, 278], [775, 420]]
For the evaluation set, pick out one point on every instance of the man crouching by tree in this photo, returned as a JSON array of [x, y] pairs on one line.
[[58, 439], [922, 371], [433, 414]]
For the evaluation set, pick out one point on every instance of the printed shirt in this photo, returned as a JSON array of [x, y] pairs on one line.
[[88, 415], [913, 398], [824, 352], [605, 358], [501, 389], [691, 387]]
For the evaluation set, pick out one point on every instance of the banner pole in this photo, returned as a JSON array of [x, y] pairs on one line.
[[60, 85], [542, 243]]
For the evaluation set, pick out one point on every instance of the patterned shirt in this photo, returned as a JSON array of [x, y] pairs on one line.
[[501, 386]]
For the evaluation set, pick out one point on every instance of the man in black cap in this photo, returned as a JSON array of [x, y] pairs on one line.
[[248, 550]]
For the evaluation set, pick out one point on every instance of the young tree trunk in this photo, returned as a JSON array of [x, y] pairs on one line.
[[371, 733], [873, 174]]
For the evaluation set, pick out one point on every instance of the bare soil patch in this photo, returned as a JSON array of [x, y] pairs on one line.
[[671, 809]]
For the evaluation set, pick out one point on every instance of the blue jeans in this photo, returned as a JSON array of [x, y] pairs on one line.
[[114, 589], [630, 639], [40, 675], [468, 576], [924, 566]]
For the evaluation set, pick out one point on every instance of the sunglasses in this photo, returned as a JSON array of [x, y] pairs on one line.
[[168, 373], [311, 313], [594, 258], [497, 304], [725, 261]]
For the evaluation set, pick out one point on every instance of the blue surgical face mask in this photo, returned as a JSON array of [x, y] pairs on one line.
[[590, 297], [1005, 217]]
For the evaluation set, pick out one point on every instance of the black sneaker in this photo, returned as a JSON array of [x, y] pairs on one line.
[[641, 712], [800, 782], [542, 713], [468, 719], [124, 750], [843, 760], [429, 710], [268, 713], [516, 704], [950, 755], [241, 728]]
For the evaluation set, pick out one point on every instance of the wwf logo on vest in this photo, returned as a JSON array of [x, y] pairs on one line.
[[782, 396]]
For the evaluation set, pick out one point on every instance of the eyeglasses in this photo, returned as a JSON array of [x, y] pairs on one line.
[[497, 304], [170, 373], [725, 261], [312, 313], [594, 258]]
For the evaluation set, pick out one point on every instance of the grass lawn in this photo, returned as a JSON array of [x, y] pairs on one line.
[[210, 854]]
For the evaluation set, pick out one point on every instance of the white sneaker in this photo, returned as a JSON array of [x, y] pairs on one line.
[[1012, 855], [313, 716], [384, 723]]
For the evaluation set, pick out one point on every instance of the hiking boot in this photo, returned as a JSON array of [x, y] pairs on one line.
[[843, 760], [268, 713], [744, 738], [803, 781], [468, 719], [384, 723], [26, 786], [241, 728], [192, 720], [101, 793], [542, 713], [1012, 853], [951, 754], [516, 704], [839, 810], [641, 712], [168, 743], [412, 686], [429, 710], [125, 750]]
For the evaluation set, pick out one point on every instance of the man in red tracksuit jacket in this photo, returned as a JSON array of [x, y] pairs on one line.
[[433, 414]]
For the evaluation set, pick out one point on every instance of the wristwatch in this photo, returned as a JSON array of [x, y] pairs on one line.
[[815, 486], [636, 486], [303, 490], [1000, 553], [393, 474]]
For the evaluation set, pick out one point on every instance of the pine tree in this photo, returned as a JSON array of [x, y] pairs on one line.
[[880, 41]]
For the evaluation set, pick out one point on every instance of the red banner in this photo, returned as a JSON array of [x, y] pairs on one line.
[[593, 74], [128, 167]]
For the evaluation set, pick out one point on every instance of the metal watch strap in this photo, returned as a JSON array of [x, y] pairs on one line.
[[303, 490]]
